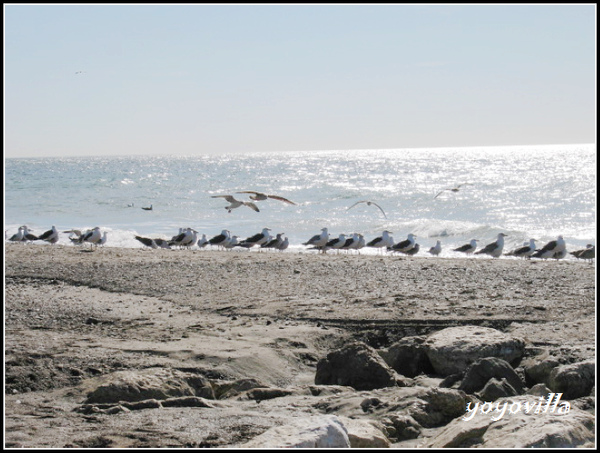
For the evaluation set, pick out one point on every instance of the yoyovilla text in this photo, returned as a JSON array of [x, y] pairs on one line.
[[541, 406]]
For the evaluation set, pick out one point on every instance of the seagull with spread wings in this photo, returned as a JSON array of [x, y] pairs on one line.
[[233, 203], [453, 189], [369, 203], [259, 196]]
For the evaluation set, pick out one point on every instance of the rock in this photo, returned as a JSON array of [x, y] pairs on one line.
[[364, 434], [518, 429], [573, 380], [495, 389], [408, 357], [187, 401], [401, 427], [357, 365], [539, 390], [152, 383], [260, 394], [481, 371], [230, 389], [452, 350], [323, 431], [539, 371]]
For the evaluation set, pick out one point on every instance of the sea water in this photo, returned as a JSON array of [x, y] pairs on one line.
[[523, 191]]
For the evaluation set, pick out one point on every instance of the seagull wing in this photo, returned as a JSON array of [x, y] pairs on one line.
[[252, 206], [229, 198], [379, 208], [277, 197], [354, 205], [441, 192], [249, 191]]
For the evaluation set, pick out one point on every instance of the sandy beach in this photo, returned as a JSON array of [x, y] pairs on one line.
[[74, 316]]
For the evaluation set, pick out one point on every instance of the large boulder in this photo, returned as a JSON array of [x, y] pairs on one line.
[[323, 431], [452, 350], [408, 357], [356, 365], [481, 371], [574, 380]]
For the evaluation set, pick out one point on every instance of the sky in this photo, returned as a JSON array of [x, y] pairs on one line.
[[186, 79]]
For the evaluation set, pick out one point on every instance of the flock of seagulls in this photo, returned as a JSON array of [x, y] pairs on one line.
[[188, 237]]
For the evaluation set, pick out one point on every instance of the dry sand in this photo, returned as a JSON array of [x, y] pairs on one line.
[[73, 316]]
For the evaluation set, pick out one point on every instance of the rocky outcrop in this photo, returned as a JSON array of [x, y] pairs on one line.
[[573, 380], [480, 372], [356, 365], [518, 429], [408, 357], [452, 350]]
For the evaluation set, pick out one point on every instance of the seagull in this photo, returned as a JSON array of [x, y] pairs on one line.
[[318, 240], [186, 238], [284, 245], [202, 242], [72, 232], [257, 239], [148, 242], [145, 208], [259, 196], [467, 248], [50, 236], [162, 243], [551, 248], [436, 249], [17, 237], [27, 236], [236, 203], [273, 243], [231, 242], [405, 245], [383, 241], [524, 252], [130, 205], [413, 251], [220, 239], [93, 236], [494, 249], [369, 203], [336, 243], [588, 253], [453, 189]]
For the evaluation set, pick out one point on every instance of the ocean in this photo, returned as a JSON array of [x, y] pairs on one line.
[[523, 191]]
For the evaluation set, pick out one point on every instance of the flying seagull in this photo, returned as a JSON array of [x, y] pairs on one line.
[[453, 189], [369, 203], [259, 196], [233, 203]]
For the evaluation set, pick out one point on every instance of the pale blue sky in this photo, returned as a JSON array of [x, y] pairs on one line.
[[197, 79]]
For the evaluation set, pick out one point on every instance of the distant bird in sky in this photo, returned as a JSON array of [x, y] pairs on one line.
[[233, 203], [453, 189], [79, 72], [369, 203], [147, 208], [259, 196]]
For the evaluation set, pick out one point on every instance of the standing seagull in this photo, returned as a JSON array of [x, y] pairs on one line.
[[494, 249], [233, 203], [202, 242], [453, 189], [220, 239], [467, 248], [257, 239], [588, 253], [551, 248], [50, 236], [259, 196], [27, 236], [318, 240], [524, 252], [17, 237], [436, 249], [405, 245], [93, 237], [383, 241], [369, 203], [336, 243]]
